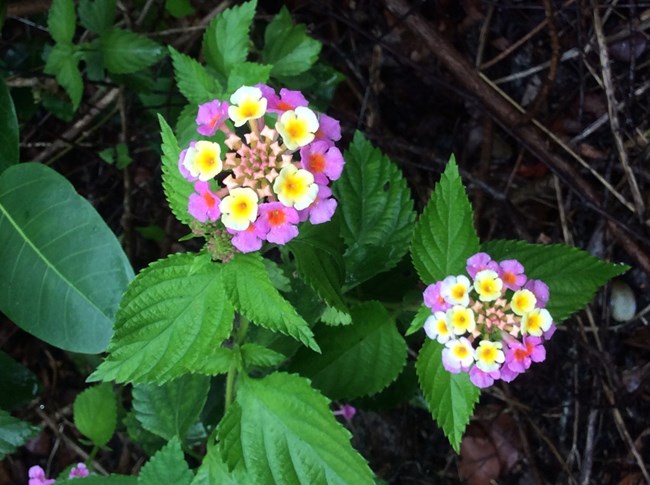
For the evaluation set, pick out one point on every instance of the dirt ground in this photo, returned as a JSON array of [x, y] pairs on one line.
[[545, 105]]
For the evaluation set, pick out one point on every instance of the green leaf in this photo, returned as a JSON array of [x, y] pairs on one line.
[[288, 435], [171, 315], [358, 359], [63, 63], [62, 21], [250, 289], [97, 15], [247, 74], [125, 51], [14, 433], [100, 480], [166, 466], [419, 320], [177, 189], [213, 470], [287, 47], [193, 80], [332, 316], [444, 236], [179, 8], [9, 151], [226, 41], [377, 211], [18, 385], [451, 397], [149, 442], [170, 409], [255, 355], [64, 271], [95, 413], [218, 361], [317, 251], [572, 275]]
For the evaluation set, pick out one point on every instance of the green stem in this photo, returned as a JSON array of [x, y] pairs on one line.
[[230, 385], [236, 366]]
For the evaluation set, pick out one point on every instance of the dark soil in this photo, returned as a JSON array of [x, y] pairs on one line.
[[580, 417]]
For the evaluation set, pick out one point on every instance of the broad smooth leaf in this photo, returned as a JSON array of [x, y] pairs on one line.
[[377, 211], [125, 51], [8, 129], [18, 384], [247, 74], [64, 270], [226, 41], [444, 235], [170, 409], [177, 189], [193, 80], [166, 466], [62, 21], [95, 413], [97, 15], [287, 435], [250, 289], [318, 254], [451, 397], [63, 63], [572, 275], [358, 359], [171, 315], [14, 433], [287, 47]]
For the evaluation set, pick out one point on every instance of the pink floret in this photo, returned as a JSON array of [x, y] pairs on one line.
[[323, 160], [329, 129], [479, 262], [434, 300], [483, 379], [79, 471], [204, 205], [322, 209], [280, 220], [512, 274], [37, 476], [251, 238], [540, 290], [211, 117]]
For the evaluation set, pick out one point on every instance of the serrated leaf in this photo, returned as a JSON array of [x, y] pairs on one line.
[[418, 320], [247, 74], [218, 361], [213, 470], [62, 21], [14, 433], [193, 80], [170, 409], [287, 47], [226, 40], [18, 384], [125, 51], [171, 315], [149, 442], [9, 151], [229, 434], [573, 275], [357, 360], [95, 413], [318, 254], [332, 316], [56, 250], [251, 292], [451, 397], [255, 355], [97, 15], [177, 189], [377, 212], [444, 235], [167, 466], [277, 276], [288, 435], [63, 63]]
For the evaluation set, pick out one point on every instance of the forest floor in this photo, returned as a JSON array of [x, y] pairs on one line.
[[546, 108]]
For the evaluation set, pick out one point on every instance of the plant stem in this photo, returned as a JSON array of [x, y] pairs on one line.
[[236, 365]]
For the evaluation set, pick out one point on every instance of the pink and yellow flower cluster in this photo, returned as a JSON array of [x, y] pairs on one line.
[[493, 323], [258, 186]]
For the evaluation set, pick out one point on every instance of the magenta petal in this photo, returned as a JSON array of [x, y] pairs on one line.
[[204, 205], [211, 116], [328, 128], [540, 290], [482, 379], [291, 99], [479, 262], [79, 471], [507, 374], [249, 239], [434, 300]]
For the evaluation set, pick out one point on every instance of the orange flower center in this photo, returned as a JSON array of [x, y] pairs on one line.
[[277, 217], [209, 200], [317, 162], [509, 278]]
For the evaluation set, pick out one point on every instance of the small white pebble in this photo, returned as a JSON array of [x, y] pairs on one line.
[[622, 301]]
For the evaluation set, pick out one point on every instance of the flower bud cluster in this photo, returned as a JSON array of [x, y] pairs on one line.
[[272, 171], [493, 324]]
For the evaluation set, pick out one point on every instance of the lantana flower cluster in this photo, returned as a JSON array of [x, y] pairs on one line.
[[270, 177], [492, 324], [37, 474]]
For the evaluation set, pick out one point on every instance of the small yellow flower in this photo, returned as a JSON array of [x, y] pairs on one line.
[[488, 285], [436, 327], [489, 355], [239, 208], [297, 127], [203, 160], [246, 104], [455, 290], [461, 320], [295, 187], [536, 322], [523, 301]]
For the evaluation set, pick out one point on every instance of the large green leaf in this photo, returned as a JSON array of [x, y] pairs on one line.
[[14, 433], [214, 471], [288, 435], [226, 42], [125, 51], [167, 466], [63, 63], [172, 408], [572, 275], [62, 21], [358, 359], [318, 253], [444, 235], [97, 15], [451, 397], [251, 291], [18, 384], [95, 413], [177, 189], [287, 47], [247, 74], [8, 129], [63, 269], [171, 316], [377, 211], [193, 80]]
